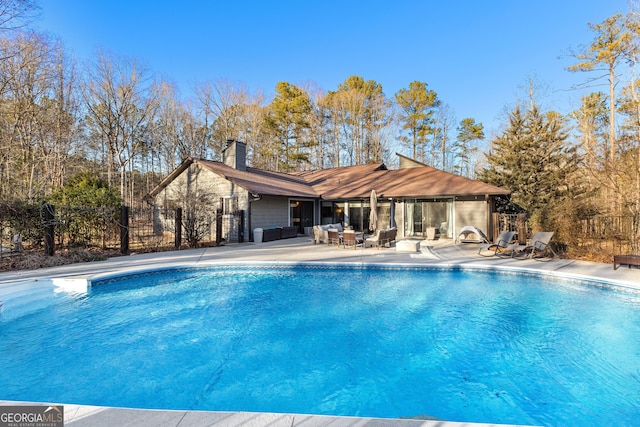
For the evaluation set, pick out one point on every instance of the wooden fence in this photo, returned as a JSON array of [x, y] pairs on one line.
[[511, 222], [604, 234]]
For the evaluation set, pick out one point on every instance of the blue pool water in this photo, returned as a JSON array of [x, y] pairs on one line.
[[445, 344]]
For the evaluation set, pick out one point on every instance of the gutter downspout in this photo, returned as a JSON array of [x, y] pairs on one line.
[[252, 198], [455, 234]]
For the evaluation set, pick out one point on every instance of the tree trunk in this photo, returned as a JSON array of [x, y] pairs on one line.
[[612, 115]]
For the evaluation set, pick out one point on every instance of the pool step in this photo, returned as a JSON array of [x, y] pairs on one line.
[[27, 296]]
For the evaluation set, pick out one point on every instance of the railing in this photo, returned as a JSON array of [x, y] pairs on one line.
[[597, 237], [611, 234], [34, 228], [511, 222], [144, 228]]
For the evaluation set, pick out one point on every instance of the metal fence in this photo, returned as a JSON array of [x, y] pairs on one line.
[[604, 227], [150, 229], [125, 229], [33, 228]]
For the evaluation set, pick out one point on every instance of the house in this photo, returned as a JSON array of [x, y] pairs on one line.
[[417, 199]]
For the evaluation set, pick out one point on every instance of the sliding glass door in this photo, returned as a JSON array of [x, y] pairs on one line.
[[429, 218]]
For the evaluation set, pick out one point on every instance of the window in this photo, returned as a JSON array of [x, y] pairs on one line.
[[230, 205]]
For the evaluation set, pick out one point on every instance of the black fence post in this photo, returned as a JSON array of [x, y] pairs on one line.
[[241, 226], [178, 227], [49, 229], [124, 229], [218, 227]]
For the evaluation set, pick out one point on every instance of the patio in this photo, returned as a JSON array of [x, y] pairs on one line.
[[301, 249]]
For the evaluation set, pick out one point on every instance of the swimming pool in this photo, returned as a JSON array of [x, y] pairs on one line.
[[374, 341]]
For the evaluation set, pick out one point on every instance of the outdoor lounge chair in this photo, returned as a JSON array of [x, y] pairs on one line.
[[539, 243], [502, 243], [471, 234]]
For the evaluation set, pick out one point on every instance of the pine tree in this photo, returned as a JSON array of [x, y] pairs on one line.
[[533, 159], [417, 104], [609, 49], [287, 118], [468, 131]]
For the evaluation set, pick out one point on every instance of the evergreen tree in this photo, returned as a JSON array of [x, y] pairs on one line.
[[88, 207], [468, 131], [533, 159], [417, 105], [609, 49], [287, 117]]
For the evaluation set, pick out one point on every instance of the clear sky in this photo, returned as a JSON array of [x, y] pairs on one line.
[[477, 55]]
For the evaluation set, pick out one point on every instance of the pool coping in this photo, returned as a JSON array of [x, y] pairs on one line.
[[578, 279], [99, 416], [299, 251]]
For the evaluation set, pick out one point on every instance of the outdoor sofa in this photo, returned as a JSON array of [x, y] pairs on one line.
[[321, 232], [270, 234], [382, 237]]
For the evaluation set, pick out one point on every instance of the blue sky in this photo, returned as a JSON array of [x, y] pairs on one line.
[[477, 55]]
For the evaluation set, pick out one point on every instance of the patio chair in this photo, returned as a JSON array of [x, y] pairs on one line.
[[377, 239], [539, 243], [334, 236], [350, 240], [502, 243], [391, 235]]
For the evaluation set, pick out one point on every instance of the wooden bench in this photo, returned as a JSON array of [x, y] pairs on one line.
[[627, 260]]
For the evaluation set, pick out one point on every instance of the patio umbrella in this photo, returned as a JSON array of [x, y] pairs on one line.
[[373, 215]]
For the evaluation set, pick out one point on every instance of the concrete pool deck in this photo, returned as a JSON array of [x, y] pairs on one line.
[[301, 249]]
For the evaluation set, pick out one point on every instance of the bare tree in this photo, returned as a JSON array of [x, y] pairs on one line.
[[38, 115], [443, 122], [121, 103], [175, 133], [15, 14], [224, 105], [318, 132]]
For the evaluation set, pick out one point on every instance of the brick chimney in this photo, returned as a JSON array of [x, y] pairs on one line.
[[235, 154]]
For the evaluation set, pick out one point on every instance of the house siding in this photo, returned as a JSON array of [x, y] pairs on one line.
[[471, 212], [270, 211], [197, 183]]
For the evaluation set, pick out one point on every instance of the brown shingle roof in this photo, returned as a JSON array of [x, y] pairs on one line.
[[344, 182], [427, 181], [263, 182], [355, 182], [351, 182]]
